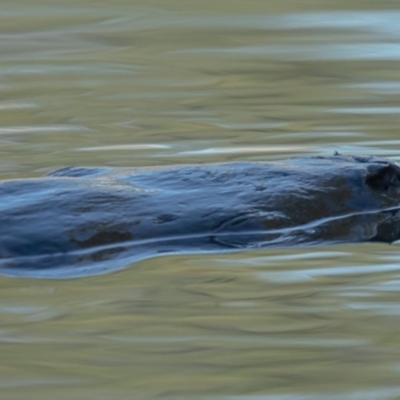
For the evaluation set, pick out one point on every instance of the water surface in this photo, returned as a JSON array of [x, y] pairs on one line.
[[160, 83]]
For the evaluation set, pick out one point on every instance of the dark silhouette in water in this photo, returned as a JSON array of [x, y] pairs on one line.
[[82, 221]]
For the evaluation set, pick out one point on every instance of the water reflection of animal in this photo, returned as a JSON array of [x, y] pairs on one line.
[[82, 221]]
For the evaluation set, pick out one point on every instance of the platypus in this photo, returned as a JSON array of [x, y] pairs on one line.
[[80, 221]]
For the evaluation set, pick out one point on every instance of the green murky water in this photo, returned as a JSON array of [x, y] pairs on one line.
[[164, 82]]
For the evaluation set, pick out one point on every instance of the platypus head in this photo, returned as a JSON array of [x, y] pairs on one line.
[[360, 198], [383, 176], [380, 174]]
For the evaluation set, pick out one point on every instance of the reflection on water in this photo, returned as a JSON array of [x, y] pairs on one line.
[[372, 394], [334, 52], [212, 325], [129, 84]]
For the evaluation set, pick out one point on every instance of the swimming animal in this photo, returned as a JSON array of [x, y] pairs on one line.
[[80, 221]]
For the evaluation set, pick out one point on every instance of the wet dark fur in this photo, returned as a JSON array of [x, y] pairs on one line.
[[80, 221]]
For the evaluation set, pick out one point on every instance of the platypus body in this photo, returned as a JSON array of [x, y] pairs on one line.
[[81, 221]]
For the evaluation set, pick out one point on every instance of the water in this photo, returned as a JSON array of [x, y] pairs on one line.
[[160, 83]]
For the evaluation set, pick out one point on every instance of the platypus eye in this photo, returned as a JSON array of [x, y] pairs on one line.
[[383, 177]]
